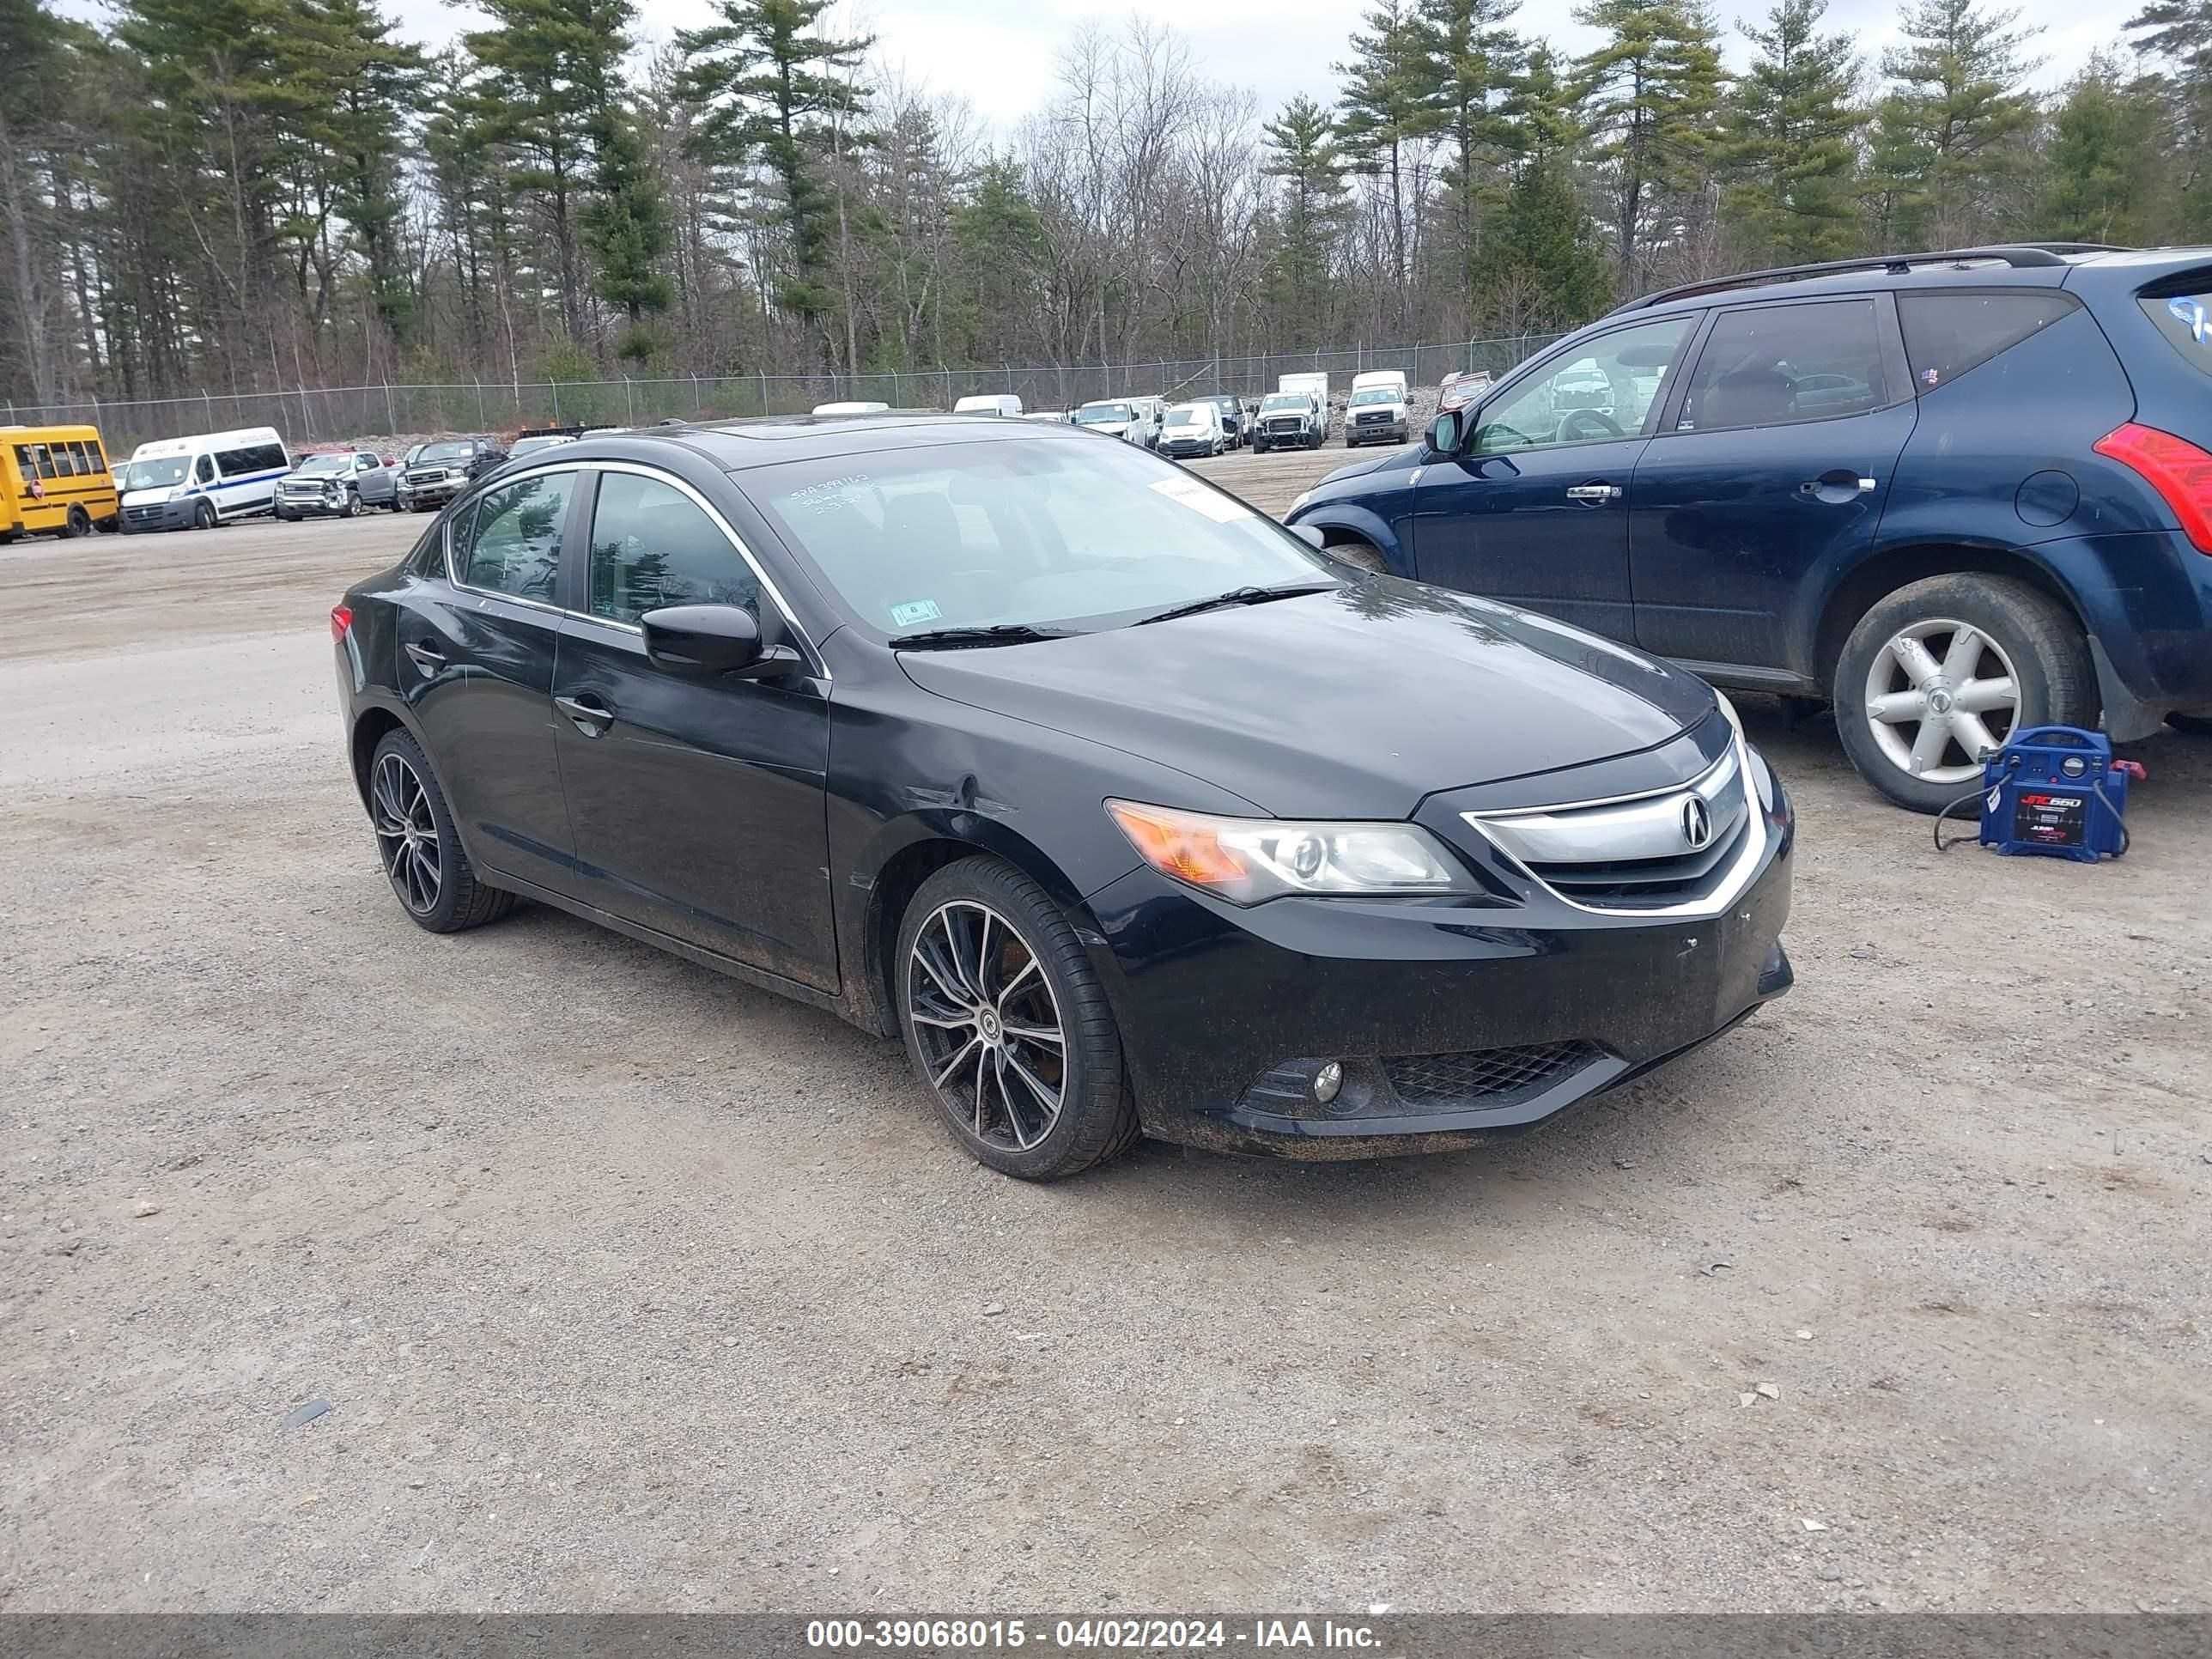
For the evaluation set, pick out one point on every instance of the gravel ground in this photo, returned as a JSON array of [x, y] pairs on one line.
[[629, 1286]]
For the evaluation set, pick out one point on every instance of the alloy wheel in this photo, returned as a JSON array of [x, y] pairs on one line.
[[1939, 693], [406, 834], [988, 1024]]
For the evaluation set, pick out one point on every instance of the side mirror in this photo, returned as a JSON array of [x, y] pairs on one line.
[[1445, 431], [704, 641], [1310, 535]]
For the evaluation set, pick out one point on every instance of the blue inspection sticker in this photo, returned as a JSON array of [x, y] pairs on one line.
[[915, 610]]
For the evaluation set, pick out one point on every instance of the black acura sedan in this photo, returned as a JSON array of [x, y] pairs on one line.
[[1124, 807]]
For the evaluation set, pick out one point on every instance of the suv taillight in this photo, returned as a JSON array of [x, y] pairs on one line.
[[341, 621], [2177, 469]]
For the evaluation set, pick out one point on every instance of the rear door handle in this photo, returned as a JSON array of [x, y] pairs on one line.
[[1594, 492], [592, 717], [427, 657], [1839, 486]]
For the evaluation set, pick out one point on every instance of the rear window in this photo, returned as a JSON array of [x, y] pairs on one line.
[[2185, 319], [1947, 334]]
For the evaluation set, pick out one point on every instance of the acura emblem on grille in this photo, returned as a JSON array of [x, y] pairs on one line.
[[1696, 822]]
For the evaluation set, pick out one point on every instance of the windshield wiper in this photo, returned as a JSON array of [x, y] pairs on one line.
[[937, 639], [1236, 596]]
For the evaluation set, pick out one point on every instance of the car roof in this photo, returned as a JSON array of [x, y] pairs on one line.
[[738, 446]]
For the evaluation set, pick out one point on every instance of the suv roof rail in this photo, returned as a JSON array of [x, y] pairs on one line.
[[2020, 255]]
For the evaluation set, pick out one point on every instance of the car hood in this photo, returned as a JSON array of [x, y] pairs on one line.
[[1388, 458], [1354, 703]]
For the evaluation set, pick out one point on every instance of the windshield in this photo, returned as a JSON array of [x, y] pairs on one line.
[[1094, 414], [322, 465], [1187, 416], [159, 474], [1045, 533], [528, 446], [445, 452], [1285, 400], [1376, 394]]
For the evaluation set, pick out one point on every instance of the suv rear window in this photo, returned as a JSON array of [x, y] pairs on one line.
[[1947, 334], [1772, 365], [2185, 319]]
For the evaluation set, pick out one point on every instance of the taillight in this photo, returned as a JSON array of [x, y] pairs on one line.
[[2177, 469], [341, 621]]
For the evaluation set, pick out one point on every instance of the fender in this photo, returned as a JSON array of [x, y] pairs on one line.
[[859, 900], [1363, 522]]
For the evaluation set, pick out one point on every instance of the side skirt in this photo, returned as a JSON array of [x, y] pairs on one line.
[[759, 978]]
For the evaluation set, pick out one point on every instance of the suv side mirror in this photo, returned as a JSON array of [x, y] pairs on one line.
[[702, 641], [1445, 432]]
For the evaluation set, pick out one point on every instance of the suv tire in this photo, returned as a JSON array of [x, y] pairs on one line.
[[1969, 655], [1024, 970]]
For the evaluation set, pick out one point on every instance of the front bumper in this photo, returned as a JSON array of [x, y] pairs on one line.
[[164, 515], [432, 494], [1180, 447], [1224, 1013], [1356, 435], [310, 506]]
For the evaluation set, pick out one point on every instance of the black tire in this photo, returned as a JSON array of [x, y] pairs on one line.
[[1095, 1119], [2055, 682], [352, 508], [1259, 445], [461, 900], [78, 523], [1360, 555], [203, 515], [2197, 726]]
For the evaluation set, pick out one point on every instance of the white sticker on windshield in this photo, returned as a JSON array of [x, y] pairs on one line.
[[1222, 510], [915, 610]]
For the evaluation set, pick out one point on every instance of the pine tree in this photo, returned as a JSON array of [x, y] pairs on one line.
[[1947, 150], [1303, 154], [1389, 102], [1787, 147], [771, 84], [1542, 267], [1652, 91], [373, 87], [1475, 58], [2179, 32], [2101, 169], [553, 91]]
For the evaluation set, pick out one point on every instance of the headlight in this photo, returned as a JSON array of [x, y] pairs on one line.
[[1248, 860]]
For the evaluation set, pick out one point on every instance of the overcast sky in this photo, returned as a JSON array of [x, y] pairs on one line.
[[998, 54]]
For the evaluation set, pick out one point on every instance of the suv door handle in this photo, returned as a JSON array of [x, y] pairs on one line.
[[592, 717], [1839, 486], [1594, 492], [427, 657]]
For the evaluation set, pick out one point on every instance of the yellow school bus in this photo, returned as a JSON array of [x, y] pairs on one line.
[[54, 480]]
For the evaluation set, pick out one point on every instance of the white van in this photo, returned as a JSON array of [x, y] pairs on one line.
[[198, 482], [991, 403]]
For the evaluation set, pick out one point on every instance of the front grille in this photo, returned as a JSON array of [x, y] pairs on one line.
[[1487, 1076], [1373, 420], [428, 478], [1276, 427], [1682, 847], [143, 515]]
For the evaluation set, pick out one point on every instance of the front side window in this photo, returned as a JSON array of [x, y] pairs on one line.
[[1947, 334], [1604, 390], [652, 546], [1776, 365], [204, 470], [511, 542], [1043, 534]]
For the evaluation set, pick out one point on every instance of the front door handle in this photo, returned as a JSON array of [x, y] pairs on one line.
[[592, 717], [427, 657], [1594, 492]]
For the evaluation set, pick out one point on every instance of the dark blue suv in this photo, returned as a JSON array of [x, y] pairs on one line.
[[1953, 493]]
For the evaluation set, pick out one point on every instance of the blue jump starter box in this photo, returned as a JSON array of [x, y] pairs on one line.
[[2056, 792]]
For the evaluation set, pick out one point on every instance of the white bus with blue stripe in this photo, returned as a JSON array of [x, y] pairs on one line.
[[178, 483]]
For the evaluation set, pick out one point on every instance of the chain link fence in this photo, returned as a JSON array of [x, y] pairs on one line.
[[312, 416]]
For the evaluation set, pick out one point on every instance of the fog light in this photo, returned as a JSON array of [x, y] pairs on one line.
[[1327, 1082]]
